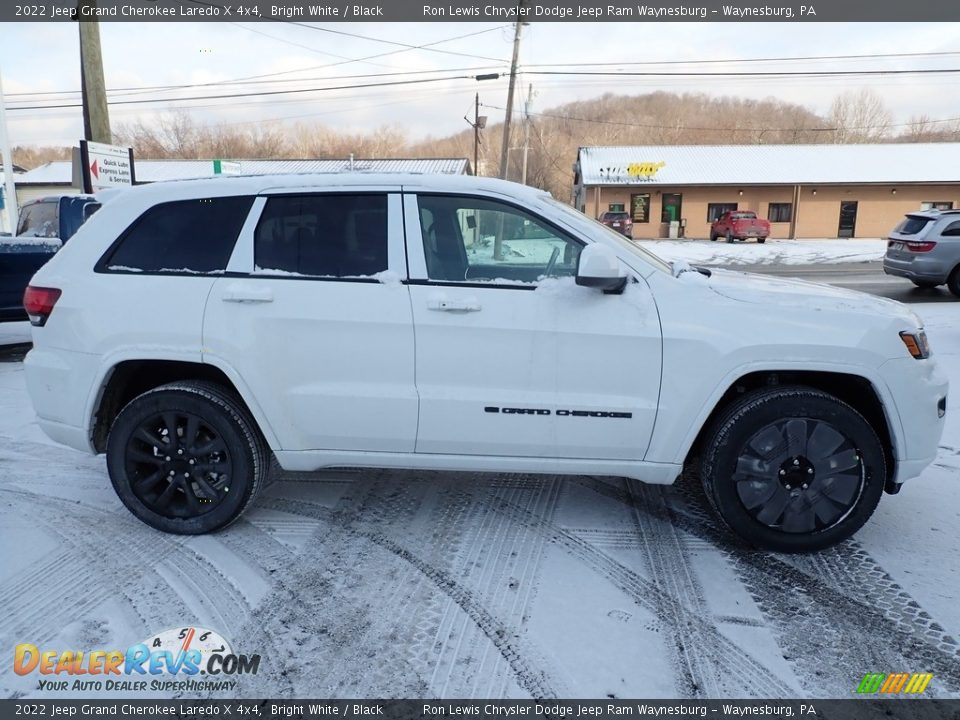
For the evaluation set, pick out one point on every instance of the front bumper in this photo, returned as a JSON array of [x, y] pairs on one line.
[[919, 390]]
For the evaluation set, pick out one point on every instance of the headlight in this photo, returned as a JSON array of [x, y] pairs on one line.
[[917, 344]]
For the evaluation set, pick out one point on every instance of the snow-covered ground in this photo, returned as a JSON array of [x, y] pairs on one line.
[[772, 252], [381, 584]]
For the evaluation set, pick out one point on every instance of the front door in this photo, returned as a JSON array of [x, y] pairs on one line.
[[848, 219], [513, 358], [315, 319]]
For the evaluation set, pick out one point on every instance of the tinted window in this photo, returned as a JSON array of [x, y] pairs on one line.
[[39, 220], [184, 236], [479, 240], [912, 224], [616, 216], [323, 235], [952, 230]]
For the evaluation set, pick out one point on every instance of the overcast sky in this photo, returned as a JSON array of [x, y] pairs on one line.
[[44, 58]]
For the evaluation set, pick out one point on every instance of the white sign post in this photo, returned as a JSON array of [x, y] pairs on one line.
[[106, 166]]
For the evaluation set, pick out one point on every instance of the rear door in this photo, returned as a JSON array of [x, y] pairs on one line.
[[513, 358], [315, 321]]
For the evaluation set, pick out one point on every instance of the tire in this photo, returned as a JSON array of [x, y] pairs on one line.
[[953, 282], [761, 240], [788, 499], [713, 238], [925, 284], [195, 489], [729, 237]]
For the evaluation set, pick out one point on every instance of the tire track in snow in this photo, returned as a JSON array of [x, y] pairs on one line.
[[726, 655], [507, 641], [816, 624]]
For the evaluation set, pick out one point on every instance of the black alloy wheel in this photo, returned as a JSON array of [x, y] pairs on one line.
[[187, 457], [178, 465], [793, 469]]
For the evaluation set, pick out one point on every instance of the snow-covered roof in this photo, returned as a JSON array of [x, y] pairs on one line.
[[61, 172], [770, 164]]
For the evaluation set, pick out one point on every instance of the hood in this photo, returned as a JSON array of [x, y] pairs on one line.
[[800, 294]]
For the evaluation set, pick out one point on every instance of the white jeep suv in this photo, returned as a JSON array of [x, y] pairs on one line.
[[194, 328]]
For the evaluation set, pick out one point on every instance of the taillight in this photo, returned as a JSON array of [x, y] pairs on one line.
[[917, 246], [39, 302]]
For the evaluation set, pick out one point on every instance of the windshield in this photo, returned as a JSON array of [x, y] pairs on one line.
[[578, 217]]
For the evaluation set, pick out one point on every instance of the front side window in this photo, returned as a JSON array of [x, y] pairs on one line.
[[185, 236], [334, 235], [716, 210], [468, 239]]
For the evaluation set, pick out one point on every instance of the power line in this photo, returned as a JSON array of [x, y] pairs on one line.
[[790, 58], [765, 73], [256, 94]]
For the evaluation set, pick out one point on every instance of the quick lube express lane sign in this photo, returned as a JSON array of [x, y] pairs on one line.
[[106, 166]]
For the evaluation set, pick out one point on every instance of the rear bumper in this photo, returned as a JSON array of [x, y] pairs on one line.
[[920, 268], [53, 380]]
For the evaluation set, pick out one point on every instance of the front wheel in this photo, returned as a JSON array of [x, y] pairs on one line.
[[793, 469], [186, 457], [729, 237], [761, 240], [713, 238]]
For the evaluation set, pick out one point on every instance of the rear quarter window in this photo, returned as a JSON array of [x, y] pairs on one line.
[[185, 236]]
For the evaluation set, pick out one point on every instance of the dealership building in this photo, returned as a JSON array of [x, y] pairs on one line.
[[806, 191]]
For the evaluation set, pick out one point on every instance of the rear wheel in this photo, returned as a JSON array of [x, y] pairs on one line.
[[953, 282], [761, 240], [186, 457], [793, 469], [713, 238]]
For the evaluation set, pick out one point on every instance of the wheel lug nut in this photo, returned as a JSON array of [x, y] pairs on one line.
[[809, 471], [186, 474], [192, 461], [796, 462], [168, 458], [179, 452], [783, 472], [789, 488], [805, 486]]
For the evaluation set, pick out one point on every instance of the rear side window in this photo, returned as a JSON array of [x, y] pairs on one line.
[[336, 235], [912, 224], [186, 236], [952, 230]]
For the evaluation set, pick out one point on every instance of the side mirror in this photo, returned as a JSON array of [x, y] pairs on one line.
[[600, 268]]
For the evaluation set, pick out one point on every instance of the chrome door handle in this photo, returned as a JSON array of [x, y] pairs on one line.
[[442, 304]]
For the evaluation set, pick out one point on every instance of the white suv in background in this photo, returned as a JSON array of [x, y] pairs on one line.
[[440, 322]]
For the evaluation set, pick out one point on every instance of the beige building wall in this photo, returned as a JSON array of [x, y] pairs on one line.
[[817, 215]]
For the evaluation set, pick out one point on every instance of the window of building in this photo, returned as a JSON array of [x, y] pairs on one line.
[[334, 235], [715, 210], [780, 212], [186, 236], [672, 207], [640, 207], [937, 205], [469, 239]]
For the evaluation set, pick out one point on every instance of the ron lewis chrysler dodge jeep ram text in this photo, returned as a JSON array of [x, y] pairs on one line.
[[195, 328]]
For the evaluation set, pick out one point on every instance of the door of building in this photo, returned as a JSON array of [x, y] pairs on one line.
[[848, 219]]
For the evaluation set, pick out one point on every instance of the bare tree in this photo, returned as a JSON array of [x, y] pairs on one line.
[[859, 117]]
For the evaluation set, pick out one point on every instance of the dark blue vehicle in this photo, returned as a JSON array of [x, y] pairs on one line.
[[45, 224]]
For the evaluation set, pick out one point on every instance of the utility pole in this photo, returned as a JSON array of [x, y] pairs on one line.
[[526, 131], [10, 190], [96, 119], [478, 124], [504, 148]]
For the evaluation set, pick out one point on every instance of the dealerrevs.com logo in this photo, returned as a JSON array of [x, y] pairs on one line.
[[182, 659]]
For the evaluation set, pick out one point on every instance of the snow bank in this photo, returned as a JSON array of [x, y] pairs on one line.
[[773, 252]]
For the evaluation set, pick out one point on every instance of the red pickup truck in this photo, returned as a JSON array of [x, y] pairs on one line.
[[740, 225]]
